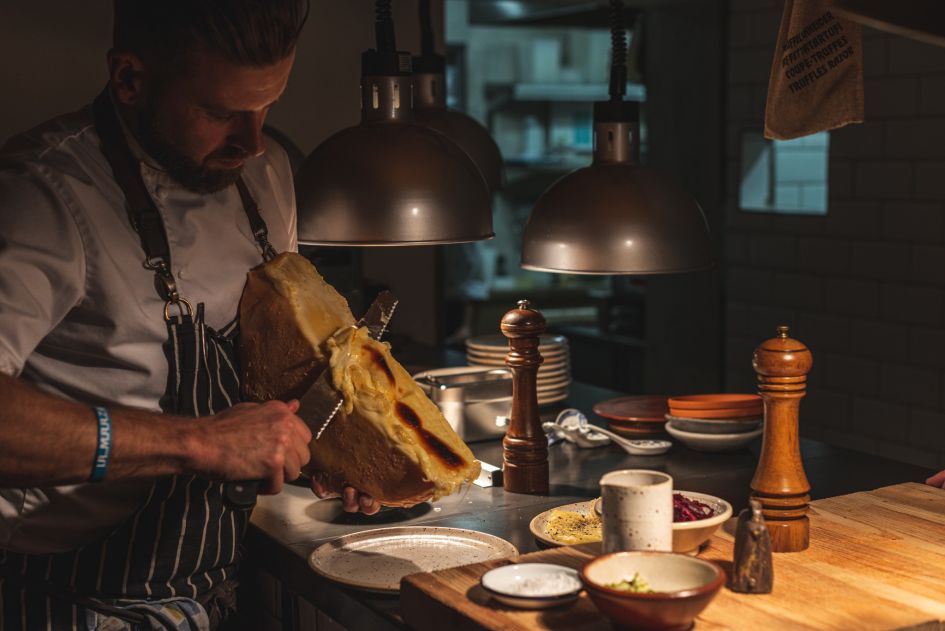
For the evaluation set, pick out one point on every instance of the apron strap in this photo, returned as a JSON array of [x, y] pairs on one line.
[[142, 212], [256, 223]]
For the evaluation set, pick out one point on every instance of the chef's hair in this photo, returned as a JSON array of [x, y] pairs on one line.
[[245, 32]]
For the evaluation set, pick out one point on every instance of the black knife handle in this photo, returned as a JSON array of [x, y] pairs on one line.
[[241, 494]]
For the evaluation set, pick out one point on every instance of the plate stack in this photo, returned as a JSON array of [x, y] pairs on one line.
[[554, 375], [715, 422], [636, 416]]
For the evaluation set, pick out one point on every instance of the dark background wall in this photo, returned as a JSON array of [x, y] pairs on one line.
[[863, 286], [684, 75]]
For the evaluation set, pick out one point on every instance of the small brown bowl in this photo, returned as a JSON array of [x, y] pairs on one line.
[[714, 401], [718, 413], [643, 430], [683, 585]]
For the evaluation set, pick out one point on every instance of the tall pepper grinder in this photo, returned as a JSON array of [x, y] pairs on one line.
[[525, 447], [779, 483]]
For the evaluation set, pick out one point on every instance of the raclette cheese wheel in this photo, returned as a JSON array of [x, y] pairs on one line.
[[388, 440]]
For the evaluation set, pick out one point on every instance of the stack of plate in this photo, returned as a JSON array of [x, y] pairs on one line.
[[554, 375], [715, 422], [636, 416]]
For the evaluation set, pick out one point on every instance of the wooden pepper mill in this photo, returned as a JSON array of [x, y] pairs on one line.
[[525, 447], [779, 483]]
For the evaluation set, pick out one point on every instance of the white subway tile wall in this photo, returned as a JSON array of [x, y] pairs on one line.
[[864, 285]]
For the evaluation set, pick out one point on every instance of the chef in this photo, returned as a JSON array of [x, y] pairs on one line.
[[126, 231]]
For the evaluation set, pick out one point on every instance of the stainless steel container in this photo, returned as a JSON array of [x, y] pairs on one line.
[[476, 401]]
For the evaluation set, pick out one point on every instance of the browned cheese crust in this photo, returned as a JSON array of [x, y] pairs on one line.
[[389, 440]]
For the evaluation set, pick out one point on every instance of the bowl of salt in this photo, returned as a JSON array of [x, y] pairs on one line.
[[532, 585]]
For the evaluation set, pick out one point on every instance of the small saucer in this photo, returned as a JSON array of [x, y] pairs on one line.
[[518, 585]]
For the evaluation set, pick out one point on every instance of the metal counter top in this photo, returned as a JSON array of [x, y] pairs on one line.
[[288, 526]]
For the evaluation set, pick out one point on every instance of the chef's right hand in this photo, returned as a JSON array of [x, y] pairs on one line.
[[254, 441], [937, 480]]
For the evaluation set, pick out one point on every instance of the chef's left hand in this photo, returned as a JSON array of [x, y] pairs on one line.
[[352, 500]]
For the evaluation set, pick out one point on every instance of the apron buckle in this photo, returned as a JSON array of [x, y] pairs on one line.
[[184, 308], [164, 281]]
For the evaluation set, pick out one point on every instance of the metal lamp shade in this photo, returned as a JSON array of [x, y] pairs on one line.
[[472, 137], [923, 20], [389, 181], [616, 218]]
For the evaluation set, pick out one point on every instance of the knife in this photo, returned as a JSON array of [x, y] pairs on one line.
[[320, 404]]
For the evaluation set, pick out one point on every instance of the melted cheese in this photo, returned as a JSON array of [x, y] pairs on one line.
[[570, 527], [377, 389]]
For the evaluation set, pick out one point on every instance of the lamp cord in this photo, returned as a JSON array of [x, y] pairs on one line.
[[384, 27], [427, 45], [618, 64]]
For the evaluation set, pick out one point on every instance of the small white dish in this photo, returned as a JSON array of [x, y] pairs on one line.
[[712, 442], [532, 585]]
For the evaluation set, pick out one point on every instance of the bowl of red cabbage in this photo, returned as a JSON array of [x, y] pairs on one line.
[[696, 517]]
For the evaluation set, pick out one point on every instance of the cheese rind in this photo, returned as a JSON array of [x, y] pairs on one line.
[[286, 313]]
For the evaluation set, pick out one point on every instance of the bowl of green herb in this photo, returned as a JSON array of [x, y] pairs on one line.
[[651, 591]]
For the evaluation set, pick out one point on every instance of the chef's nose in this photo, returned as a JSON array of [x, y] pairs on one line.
[[248, 133]]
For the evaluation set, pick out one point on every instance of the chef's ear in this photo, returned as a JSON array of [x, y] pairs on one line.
[[127, 76]]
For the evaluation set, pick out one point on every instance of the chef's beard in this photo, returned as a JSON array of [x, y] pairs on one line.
[[193, 176]]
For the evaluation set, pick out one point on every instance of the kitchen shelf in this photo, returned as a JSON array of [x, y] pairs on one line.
[[499, 94]]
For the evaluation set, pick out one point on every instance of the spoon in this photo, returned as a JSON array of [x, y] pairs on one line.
[[573, 424], [574, 421], [636, 447]]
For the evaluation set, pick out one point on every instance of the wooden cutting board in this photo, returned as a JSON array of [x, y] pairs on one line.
[[876, 561]]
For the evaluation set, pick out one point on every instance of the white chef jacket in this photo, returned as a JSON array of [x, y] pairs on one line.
[[79, 315]]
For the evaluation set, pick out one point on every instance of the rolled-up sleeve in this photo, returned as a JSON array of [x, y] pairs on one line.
[[42, 263]]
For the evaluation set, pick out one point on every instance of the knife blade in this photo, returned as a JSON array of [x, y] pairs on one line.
[[320, 404]]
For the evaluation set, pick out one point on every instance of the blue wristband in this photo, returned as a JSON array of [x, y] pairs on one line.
[[103, 450]]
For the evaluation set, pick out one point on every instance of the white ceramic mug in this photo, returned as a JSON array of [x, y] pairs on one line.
[[637, 510]]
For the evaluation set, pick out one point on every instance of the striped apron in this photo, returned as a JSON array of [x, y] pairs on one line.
[[184, 541]]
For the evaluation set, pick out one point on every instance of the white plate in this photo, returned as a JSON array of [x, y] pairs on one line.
[[377, 559], [554, 371], [554, 387], [501, 343], [540, 521], [547, 366], [502, 351], [503, 583], [713, 442]]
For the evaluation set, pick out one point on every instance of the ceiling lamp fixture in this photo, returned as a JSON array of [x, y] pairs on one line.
[[923, 20], [616, 217], [429, 74], [389, 181]]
